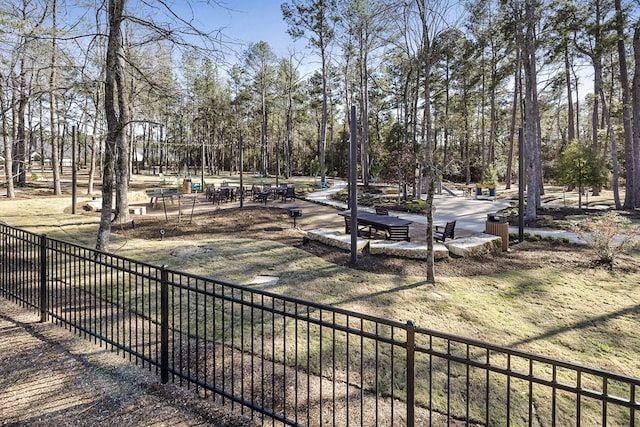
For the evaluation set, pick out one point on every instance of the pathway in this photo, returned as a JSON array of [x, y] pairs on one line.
[[470, 214]]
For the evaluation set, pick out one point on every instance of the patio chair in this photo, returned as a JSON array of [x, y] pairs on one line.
[[289, 193], [211, 189], [255, 193], [440, 234], [382, 210], [224, 195], [246, 192]]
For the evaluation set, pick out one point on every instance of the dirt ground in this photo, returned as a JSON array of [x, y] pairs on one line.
[[50, 376]]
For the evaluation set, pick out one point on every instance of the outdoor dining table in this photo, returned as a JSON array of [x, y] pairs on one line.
[[230, 190], [263, 196], [278, 191], [395, 228]]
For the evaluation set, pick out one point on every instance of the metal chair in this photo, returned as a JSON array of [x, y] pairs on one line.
[[440, 234]]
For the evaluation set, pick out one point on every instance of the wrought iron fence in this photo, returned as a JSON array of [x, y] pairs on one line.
[[286, 361]]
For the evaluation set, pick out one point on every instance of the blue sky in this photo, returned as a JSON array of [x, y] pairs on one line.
[[249, 21]]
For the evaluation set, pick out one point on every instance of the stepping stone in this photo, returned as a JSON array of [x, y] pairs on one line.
[[265, 280]]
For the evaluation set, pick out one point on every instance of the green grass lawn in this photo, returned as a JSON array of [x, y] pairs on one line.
[[588, 316]]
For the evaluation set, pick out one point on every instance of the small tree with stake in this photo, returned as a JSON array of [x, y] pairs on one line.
[[400, 168], [579, 166]]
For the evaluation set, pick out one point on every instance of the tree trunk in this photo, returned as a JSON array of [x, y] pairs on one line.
[[323, 124], [636, 115], [364, 111], [614, 151], [53, 108], [114, 95], [514, 113], [425, 59], [629, 198], [571, 132], [8, 152], [493, 126], [19, 161], [531, 113], [264, 168]]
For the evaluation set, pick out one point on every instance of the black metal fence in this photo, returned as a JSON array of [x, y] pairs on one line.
[[282, 360]]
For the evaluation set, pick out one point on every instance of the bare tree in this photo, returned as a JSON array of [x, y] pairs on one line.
[[260, 61], [116, 115], [527, 41], [635, 99], [431, 22], [8, 152], [315, 19], [631, 197], [53, 109]]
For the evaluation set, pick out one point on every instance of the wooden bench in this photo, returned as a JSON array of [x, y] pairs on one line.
[[398, 233], [485, 191], [440, 234]]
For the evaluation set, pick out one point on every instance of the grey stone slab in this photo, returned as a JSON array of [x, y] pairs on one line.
[[476, 245], [335, 239], [407, 249]]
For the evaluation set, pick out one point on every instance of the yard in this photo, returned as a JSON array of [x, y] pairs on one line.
[[543, 297]]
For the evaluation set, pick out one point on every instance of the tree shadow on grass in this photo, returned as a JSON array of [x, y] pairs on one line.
[[590, 322], [382, 293]]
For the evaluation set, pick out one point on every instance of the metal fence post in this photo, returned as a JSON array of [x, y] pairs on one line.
[[43, 278], [164, 325], [411, 373]]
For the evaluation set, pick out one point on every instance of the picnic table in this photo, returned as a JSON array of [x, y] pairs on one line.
[[395, 228], [161, 194]]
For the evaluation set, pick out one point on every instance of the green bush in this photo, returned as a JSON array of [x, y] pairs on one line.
[[536, 237], [580, 166], [490, 175], [417, 207]]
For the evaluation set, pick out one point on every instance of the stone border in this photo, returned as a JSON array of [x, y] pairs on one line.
[[335, 238], [470, 246], [407, 249]]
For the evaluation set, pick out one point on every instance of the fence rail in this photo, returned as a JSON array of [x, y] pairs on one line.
[[287, 361]]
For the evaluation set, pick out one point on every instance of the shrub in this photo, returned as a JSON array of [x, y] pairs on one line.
[[608, 235], [418, 206], [490, 175]]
